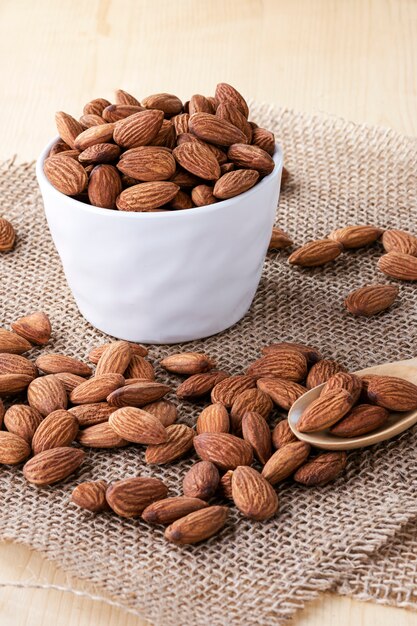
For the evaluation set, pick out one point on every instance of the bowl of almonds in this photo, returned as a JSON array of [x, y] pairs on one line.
[[162, 211]]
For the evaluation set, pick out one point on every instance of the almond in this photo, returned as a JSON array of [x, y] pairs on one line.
[[225, 93], [102, 133], [147, 163], [322, 371], [197, 159], [101, 436], [146, 196], [281, 391], [7, 235], [123, 97], [311, 354], [137, 426], [59, 146], [70, 381], [11, 384], [140, 368], [256, 432], [342, 380], [325, 411], [231, 113], [22, 420], [179, 442], [213, 419], [218, 153], [116, 112], [316, 253], [56, 363], [185, 179], [288, 364], [164, 410], [16, 364], [57, 430], [234, 183], [225, 485], [201, 480], [362, 419], [224, 450], [282, 434], [13, 343], [212, 129], [197, 526], [181, 201], [399, 265], [66, 175], [171, 509], [68, 128], [166, 102], [322, 469], [264, 139], [13, 449], [180, 123], [47, 394], [91, 414], [96, 106], [138, 129], [247, 401], [187, 363], [166, 136], [99, 153], [392, 393], [371, 299], [279, 240], [200, 104], [251, 157], [91, 496], [89, 120], [138, 394], [352, 237], [96, 389], [200, 384], [202, 195], [253, 495], [130, 496], [52, 466], [115, 359], [96, 353], [104, 186], [35, 327], [399, 241], [285, 461]]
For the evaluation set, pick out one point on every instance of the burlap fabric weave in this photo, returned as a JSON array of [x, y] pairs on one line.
[[357, 535]]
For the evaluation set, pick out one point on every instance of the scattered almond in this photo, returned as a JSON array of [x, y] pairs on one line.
[[130, 497], [91, 496], [35, 327], [322, 469], [197, 526], [253, 494], [201, 480], [371, 300]]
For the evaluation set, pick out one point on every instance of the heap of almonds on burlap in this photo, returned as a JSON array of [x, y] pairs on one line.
[[122, 404]]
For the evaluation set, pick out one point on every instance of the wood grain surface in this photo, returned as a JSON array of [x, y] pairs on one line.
[[351, 58]]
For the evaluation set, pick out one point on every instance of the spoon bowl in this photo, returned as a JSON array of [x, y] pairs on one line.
[[396, 423]]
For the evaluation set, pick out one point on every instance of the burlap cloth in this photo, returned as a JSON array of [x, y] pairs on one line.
[[356, 536]]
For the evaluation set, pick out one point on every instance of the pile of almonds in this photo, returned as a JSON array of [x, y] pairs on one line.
[[160, 154], [121, 404], [400, 261]]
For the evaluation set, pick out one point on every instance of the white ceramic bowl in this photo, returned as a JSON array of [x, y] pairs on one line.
[[163, 277]]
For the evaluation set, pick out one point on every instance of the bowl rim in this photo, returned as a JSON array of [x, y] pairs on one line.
[[177, 214]]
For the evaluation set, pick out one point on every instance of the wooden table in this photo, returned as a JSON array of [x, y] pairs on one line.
[[350, 58]]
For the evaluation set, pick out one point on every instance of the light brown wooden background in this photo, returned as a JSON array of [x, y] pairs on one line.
[[350, 58]]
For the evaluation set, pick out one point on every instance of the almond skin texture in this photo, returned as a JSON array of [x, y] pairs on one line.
[[180, 122], [197, 526], [342, 380], [56, 363], [325, 411], [225, 93], [234, 183], [89, 120], [138, 394], [256, 432], [115, 359], [394, 394], [225, 485], [227, 390], [147, 196], [147, 163], [371, 300], [179, 442], [362, 419], [322, 469], [264, 139], [202, 195], [399, 241], [66, 175], [187, 363], [352, 237], [201, 481], [52, 466], [166, 102], [138, 129], [249, 400], [322, 371], [170, 509], [212, 129], [104, 186], [13, 449], [101, 436], [96, 106], [279, 240], [91, 414], [253, 495], [251, 157], [231, 113], [316, 253], [35, 327], [197, 159], [99, 153], [123, 97], [224, 450], [96, 389], [200, 104], [68, 128], [91, 496], [139, 367], [282, 434], [13, 383], [47, 394], [57, 430], [7, 235], [131, 496], [137, 426], [285, 461], [288, 364], [22, 420], [96, 353], [311, 354], [282, 392], [16, 364], [102, 133], [399, 265], [13, 343], [199, 385], [214, 418], [70, 381], [116, 112]]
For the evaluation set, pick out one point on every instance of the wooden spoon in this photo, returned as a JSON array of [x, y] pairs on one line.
[[396, 423]]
